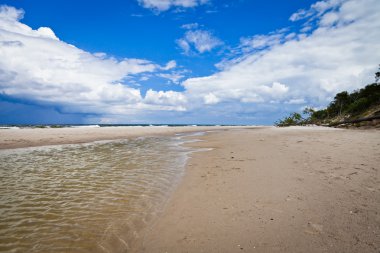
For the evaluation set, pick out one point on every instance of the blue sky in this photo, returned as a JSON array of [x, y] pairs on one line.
[[182, 61]]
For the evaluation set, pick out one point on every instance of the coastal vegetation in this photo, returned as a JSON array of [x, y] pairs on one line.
[[361, 105]]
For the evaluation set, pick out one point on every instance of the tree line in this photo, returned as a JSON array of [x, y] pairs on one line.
[[344, 106]]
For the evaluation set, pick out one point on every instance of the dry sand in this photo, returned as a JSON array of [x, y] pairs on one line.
[[258, 189], [276, 190]]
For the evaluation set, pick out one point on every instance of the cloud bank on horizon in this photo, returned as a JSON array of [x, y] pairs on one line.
[[334, 49]]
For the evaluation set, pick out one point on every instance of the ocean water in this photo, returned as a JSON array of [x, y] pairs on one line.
[[94, 197]]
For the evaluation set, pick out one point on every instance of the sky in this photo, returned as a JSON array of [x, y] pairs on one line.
[[181, 61]]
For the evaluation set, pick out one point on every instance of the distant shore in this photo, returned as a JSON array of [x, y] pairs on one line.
[[297, 189]]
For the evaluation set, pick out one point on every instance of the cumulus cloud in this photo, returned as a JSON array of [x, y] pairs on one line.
[[210, 99], [294, 68], [170, 100], [164, 5], [334, 50], [36, 65], [200, 41], [9, 14]]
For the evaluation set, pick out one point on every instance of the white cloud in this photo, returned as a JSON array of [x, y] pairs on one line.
[[172, 100], [210, 99], [164, 5], [9, 14], [296, 101], [36, 65], [276, 90], [278, 68], [316, 10], [199, 40], [170, 65], [174, 77], [184, 45], [190, 26], [263, 41]]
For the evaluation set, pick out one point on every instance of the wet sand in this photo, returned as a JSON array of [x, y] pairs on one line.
[[31, 137], [275, 190]]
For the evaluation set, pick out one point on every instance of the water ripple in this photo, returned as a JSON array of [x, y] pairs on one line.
[[84, 198]]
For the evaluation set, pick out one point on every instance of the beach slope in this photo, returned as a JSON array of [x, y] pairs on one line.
[[275, 190]]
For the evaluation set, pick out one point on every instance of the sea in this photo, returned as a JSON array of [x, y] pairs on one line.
[[93, 197]]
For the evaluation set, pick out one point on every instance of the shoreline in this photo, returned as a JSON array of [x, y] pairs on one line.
[[274, 190], [120, 184], [34, 137]]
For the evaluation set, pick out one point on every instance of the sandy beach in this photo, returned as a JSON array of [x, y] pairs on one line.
[[190, 126], [299, 189], [32, 137], [276, 190]]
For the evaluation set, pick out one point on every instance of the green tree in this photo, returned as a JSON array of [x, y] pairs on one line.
[[359, 106], [308, 111], [348, 104], [292, 120], [341, 100]]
